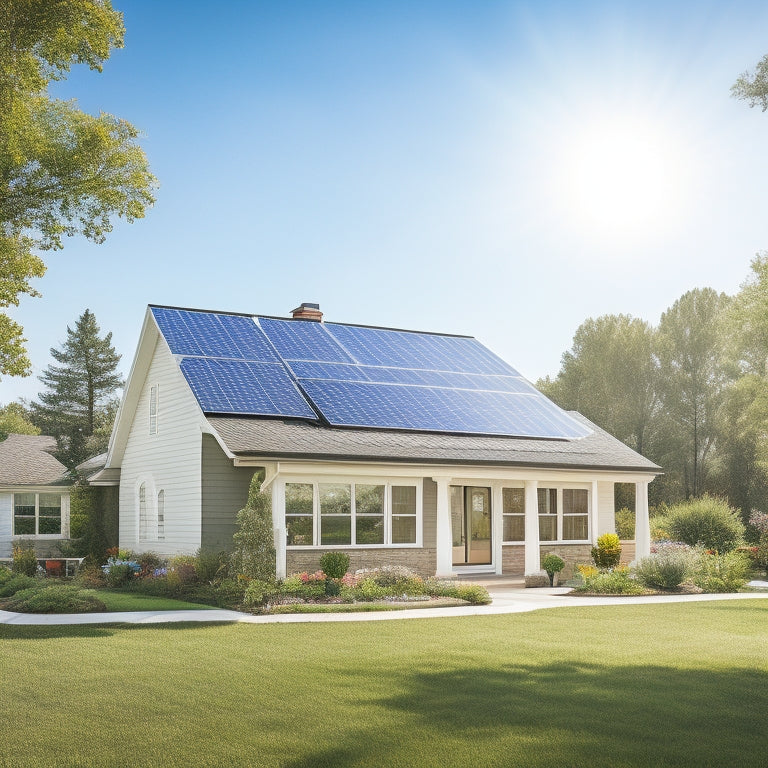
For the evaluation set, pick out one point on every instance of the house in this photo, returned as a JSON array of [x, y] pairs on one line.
[[34, 495], [398, 447]]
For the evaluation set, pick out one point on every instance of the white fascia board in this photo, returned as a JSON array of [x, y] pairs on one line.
[[459, 472], [150, 333]]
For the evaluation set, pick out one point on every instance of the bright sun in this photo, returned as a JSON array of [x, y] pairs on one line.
[[622, 176]]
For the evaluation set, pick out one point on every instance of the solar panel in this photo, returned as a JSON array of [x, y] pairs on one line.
[[303, 340], [211, 334], [358, 404], [426, 351], [244, 387], [356, 377]]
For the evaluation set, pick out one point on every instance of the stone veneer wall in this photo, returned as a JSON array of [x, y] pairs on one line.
[[627, 551], [422, 561], [513, 560]]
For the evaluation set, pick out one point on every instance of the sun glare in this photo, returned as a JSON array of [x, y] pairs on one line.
[[622, 176]]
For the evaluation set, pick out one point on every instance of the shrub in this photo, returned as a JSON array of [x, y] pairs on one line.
[[60, 598], [149, 562], [334, 564], [472, 593], [183, 568], [254, 546], [607, 553], [625, 523], [210, 566], [308, 586], [664, 570], [726, 572], [615, 582], [397, 578], [16, 584], [258, 593], [120, 574], [552, 564], [91, 577], [6, 574], [24, 560], [707, 521]]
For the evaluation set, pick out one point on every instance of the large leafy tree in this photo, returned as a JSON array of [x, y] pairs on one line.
[[609, 375], [15, 418], [693, 383], [81, 389], [62, 171]]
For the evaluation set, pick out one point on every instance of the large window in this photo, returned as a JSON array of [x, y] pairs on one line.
[[563, 514], [37, 514], [513, 507], [351, 514]]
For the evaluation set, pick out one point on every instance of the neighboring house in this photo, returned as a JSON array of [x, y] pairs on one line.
[[34, 495], [398, 447]]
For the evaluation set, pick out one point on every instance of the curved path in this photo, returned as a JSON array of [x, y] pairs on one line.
[[505, 600]]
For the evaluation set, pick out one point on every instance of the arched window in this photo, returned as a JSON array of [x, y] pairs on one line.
[[143, 514], [161, 515]]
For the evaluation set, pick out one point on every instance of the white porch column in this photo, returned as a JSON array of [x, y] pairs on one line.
[[642, 522], [594, 514], [532, 553], [497, 529], [278, 527], [444, 531]]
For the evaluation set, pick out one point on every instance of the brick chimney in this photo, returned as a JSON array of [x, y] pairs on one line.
[[308, 312]]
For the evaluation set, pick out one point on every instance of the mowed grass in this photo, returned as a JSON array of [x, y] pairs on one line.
[[651, 685], [127, 601]]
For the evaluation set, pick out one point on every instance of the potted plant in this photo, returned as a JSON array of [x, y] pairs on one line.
[[552, 564]]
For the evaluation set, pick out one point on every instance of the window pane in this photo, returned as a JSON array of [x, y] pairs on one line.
[[50, 525], [403, 499], [513, 500], [575, 501], [514, 528], [336, 530], [369, 530], [24, 504], [298, 530], [335, 499], [547, 500], [23, 526], [548, 528], [369, 499], [50, 505], [404, 529], [298, 499], [575, 527]]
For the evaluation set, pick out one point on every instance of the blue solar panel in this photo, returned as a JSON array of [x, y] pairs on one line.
[[426, 351], [244, 387], [440, 410], [303, 340], [210, 334]]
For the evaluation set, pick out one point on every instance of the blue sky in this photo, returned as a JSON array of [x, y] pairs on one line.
[[417, 165]]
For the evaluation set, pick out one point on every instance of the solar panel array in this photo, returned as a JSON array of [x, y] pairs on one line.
[[353, 376]]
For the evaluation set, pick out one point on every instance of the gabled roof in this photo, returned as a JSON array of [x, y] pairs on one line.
[[352, 376], [283, 439], [27, 460]]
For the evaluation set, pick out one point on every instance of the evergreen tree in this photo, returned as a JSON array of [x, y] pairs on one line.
[[254, 548], [81, 389]]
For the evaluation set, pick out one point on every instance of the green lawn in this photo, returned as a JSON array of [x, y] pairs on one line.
[[655, 685], [128, 601]]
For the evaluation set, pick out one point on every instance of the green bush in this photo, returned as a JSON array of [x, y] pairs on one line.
[[664, 570], [6, 574], [210, 566], [706, 521], [472, 593], [119, 575], [149, 562], [60, 598], [625, 523], [182, 570], [24, 560], [334, 564], [258, 593], [726, 572], [16, 584], [616, 582], [254, 547], [368, 589], [309, 589], [397, 578], [607, 553]]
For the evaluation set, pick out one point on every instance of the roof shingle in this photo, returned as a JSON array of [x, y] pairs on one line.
[[27, 460]]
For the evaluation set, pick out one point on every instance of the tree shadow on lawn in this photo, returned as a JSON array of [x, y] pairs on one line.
[[48, 631], [562, 714]]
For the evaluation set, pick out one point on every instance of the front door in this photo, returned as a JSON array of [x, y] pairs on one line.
[[471, 523]]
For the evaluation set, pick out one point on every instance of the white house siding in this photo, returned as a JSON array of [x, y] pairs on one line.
[[6, 524], [168, 461], [606, 511]]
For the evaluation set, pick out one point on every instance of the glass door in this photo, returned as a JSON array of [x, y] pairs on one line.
[[471, 521]]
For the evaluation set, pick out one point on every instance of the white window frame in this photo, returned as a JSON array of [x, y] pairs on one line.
[[504, 515], [154, 408], [559, 488], [64, 508], [150, 496], [388, 483]]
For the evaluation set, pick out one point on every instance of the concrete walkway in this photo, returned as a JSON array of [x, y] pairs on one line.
[[508, 597]]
